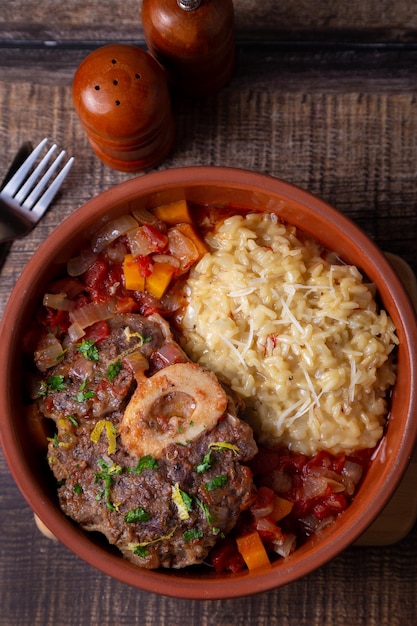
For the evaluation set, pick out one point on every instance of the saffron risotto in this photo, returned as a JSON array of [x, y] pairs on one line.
[[294, 332]]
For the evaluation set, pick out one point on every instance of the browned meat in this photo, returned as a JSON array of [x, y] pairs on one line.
[[165, 506], [92, 388]]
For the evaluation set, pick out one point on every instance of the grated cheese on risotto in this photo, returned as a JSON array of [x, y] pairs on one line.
[[296, 335]]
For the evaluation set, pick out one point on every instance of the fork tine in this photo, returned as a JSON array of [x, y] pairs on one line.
[[15, 182], [36, 192], [26, 188], [44, 202]]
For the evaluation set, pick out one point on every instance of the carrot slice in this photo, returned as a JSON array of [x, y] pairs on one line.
[[281, 509], [189, 231], [157, 283], [133, 278], [253, 550], [173, 213]]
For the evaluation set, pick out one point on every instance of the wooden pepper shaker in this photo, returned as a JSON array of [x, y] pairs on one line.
[[194, 40], [122, 99]]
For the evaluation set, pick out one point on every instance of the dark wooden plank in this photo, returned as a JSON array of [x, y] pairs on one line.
[[358, 20], [319, 67]]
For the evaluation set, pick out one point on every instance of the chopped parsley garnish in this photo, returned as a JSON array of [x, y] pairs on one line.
[[204, 507], [205, 463], [194, 533], [88, 349], [188, 501], [43, 389], [216, 483], [78, 489], [141, 551], [113, 369], [140, 548], [145, 462], [54, 383], [84, 384], [82, 394], [57, 443], [137, 515], [106, 475]]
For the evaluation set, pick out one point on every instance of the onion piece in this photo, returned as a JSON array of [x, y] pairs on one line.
[[139, 244], [117, 252], [81, 369], [268, 527], [337, 486], [138, 362], [48, 352], [310, 523], [92, 313], [172, 300], [70, 287], [170, 353], [144, 216], [58, 301], [182, 247], [75, 332], [323, 471], [281, 481], [314, 486], [221, 514], [261, 512], [351, 475], [285, 546], [80, 264], [111, 231], [146, 240], [332, 479], [166, 258], [327, 521], [314, 525], [352, 470]]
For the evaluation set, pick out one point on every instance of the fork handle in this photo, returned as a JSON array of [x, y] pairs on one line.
[[4, 251], [23, 152]]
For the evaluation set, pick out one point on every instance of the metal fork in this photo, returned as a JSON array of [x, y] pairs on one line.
[[23, 200]]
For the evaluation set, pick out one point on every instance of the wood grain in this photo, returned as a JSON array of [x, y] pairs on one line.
[[341, 121], [287, 20]]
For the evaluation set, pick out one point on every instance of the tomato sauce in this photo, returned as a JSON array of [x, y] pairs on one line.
[[296, 495]]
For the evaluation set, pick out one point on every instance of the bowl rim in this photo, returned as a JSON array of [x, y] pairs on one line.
[[159, 581]]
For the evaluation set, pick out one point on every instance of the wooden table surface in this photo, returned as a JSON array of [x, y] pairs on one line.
[[325, 96]]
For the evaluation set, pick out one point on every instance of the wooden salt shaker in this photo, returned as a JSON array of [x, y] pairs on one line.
[[122, 99], [194, 40]]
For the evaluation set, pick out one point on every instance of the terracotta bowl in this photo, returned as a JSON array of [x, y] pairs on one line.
[[258, 192]]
